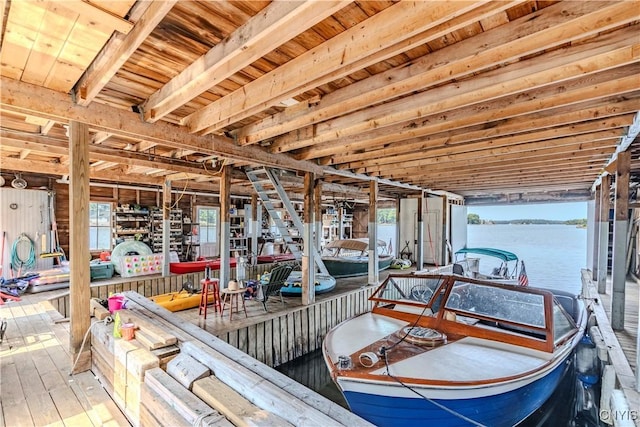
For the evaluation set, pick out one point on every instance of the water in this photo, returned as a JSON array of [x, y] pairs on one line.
[[554, 256]]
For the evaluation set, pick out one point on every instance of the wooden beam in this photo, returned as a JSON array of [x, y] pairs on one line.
[[535, 32], [308, 263], [116, 174], [225, 227], [31, 99], [620, 245], [79, 242], [445, 154], [558, 118], [271, 27], [373, 277], [604, 53], [55, 146], [119, 48], [354, 44], [473, 141], [513, 118]]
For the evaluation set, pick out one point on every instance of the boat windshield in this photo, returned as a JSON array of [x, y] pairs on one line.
[[474, 300], [499, 303]]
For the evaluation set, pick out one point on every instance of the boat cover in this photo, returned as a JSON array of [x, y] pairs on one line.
[[498, 253]]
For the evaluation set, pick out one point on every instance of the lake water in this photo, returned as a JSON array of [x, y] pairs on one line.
[[553, 255]]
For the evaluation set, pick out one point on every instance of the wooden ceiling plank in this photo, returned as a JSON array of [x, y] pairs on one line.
[[30, 99], [271, 27], [551, 27], [23, 23], [97, 14], [48, 44], [289, 79], [443, 145], [119, 48], [547, 69]]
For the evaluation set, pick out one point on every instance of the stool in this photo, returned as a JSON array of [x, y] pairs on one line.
[[233, 300], [210, 295]]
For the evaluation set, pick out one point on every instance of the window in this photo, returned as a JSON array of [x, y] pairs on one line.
[[99, 226], [208, 218]]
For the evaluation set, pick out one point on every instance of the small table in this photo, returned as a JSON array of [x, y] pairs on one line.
[[233, 299]]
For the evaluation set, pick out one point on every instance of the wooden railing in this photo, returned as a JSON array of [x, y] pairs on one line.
[[276, 340], [294, 333]]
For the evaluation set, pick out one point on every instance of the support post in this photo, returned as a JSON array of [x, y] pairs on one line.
[[308, 263], [225, 226], [166, 227], [317, 197], [619, 267], [255, 230], [445, 235], [420, 234], [603, 238], [596, 233], [80, 276], [374, 271]]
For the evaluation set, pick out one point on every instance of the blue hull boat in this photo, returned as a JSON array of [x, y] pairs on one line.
[[448, 350]]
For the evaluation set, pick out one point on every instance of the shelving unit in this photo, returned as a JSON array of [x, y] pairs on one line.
[[239, 221], [332, 228], [129, 223], [175, 232], [190, 239]]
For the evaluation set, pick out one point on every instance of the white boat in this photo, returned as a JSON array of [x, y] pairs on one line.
[[448, 350]]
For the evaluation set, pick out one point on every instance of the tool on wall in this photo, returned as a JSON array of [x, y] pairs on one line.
[[54, 249]]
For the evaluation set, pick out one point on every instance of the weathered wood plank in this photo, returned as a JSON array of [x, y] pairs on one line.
[[186, 370], [234, 406]]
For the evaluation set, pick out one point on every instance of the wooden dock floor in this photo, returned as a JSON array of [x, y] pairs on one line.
[[36, 388], [629, 335], [35, 385]]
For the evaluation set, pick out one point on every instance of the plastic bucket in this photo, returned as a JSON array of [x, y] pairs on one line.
[[116, 302], [127, 330]]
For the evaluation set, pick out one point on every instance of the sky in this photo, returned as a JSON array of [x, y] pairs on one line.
[[552, 211]]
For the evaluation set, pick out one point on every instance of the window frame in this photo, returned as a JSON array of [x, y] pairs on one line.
[[96, 228]]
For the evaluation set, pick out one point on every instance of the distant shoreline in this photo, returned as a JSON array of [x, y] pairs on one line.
[[575, 222]]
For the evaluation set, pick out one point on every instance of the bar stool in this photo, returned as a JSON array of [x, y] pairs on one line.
[[210, 295]]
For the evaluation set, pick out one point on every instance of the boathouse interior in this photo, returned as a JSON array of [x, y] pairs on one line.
[[174, 107]]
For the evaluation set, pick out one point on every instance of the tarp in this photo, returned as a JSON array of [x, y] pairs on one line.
[[498, 253]]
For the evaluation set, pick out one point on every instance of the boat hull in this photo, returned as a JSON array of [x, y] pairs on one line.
[[267, 259], [324, 283], [489, 406], [353, 266], [197, 266]]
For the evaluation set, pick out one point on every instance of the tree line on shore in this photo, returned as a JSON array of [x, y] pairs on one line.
[[475, 219]]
